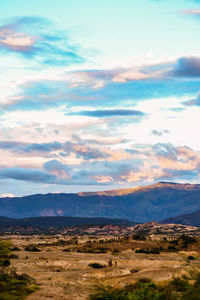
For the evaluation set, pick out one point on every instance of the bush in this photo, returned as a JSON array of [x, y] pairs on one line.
[[134, 270], [31, 248], [13, 287], [145, 289], [171, 249], [147, 251], [139, 237], [116, 251], [15, 249], [13, 256], [190, 257], [4, 253], [67, 250], [96, 266], [187, 240], [110, 263], [92, 250]]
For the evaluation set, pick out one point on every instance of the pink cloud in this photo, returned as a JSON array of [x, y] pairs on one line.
[[16, 41], [130, 76], [192, 12]]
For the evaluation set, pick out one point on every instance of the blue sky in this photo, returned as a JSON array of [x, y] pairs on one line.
[[98, 94]]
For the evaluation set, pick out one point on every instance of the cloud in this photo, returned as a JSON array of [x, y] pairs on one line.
[[36, 38], [34, 175], [16, 41], [110, 113], [45, 149], [99, 89], [187, 67], [165, 150], [56, 168], [159, 133], [192, 102], [136, 165], [192, 12], [30, 147], [130, 75]]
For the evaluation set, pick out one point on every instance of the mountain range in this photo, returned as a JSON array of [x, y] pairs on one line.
[[155, 202]]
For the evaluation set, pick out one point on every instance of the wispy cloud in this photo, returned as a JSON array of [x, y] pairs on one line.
[[192, 12], [37, 39], [110, 113]]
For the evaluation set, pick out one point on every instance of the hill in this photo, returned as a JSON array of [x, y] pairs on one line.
[[192, 219], [57, 222], [144, 204]]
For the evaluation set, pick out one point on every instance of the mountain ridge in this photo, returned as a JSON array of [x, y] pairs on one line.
[[155, 202], [192, 219]]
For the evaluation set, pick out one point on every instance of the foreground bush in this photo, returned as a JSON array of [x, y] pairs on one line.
[[177, 289], [12, 285], [4, 253]]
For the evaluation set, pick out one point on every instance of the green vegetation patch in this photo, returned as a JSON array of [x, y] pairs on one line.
[[12, 285], [177, 289]]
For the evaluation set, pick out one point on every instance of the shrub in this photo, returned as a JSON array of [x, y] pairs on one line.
[[171, 249], [110, 263], [67, 250], [31, 248], [92, 250], [145, 289], [15, 249], [13, 286], [96, 266], [116, 251], [190, 257], [147, 251], [4, 253], [139, 237], [187, 240], [13, 256], [134, 270]]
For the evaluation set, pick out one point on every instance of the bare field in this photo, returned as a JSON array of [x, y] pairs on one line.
[[67, 274]]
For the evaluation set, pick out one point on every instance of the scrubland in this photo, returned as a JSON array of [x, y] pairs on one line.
[[74, 267]]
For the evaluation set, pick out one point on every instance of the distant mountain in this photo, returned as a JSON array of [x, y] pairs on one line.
[[56, 222], [144, 204], [192, 219]]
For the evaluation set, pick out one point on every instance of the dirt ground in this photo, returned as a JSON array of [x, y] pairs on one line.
[[66, 275]]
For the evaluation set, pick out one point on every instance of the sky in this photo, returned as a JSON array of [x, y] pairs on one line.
[[98, 95]]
